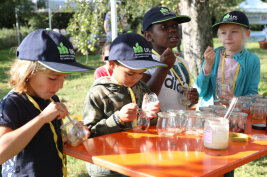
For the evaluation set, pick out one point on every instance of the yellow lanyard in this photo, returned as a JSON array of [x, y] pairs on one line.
[[236, 73], [134, 123], [60, 154], [157, 54]]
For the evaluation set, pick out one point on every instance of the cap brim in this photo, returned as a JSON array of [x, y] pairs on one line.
[[141, 64], [179, 19], [216, 25], [70, 67]]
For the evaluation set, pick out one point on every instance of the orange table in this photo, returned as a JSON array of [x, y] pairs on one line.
[[147, 154]]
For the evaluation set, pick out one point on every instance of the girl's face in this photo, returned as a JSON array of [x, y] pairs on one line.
[[45, 84], [126, 76], [233, 37], [164, 35]]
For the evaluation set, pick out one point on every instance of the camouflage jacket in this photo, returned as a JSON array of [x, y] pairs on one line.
[[106, 97]]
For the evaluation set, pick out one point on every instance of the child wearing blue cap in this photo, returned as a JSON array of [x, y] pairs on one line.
[[30, 114], [231, 63], [112, 103], [160, 28]]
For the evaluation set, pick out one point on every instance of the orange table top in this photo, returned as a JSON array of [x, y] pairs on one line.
[[147, 154]]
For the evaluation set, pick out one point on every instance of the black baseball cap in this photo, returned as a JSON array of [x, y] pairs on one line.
[[50, 49], [161, 14], [133, 51], [235, 17]]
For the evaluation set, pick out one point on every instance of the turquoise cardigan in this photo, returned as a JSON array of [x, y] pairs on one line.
[[247, 81]]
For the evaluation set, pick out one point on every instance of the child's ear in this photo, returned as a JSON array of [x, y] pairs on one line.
[[248, 33], [111, 64], [148, 36]]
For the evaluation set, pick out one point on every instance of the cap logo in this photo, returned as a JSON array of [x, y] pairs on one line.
[[166, 11], [62, 49], [137, 48], [229, 17], [65, 53], [140, 52]]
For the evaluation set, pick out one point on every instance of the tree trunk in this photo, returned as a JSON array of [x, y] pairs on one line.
[[197, 34]]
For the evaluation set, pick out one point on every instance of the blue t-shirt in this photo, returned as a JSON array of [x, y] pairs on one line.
[[40, 157]]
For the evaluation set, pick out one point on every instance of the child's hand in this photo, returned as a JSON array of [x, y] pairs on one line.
[[209, 56], [54, 110], [168, 58], [128, 112], [151, 108], [193, 95]]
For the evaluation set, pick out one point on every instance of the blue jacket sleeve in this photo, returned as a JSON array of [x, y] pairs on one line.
[[255, 77], [203, 82]]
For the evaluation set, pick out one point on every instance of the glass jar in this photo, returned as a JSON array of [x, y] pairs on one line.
[[216, 133], [238, 122], [180, 120], [74, 132], [142, 123], [257, 112], [166, 124]]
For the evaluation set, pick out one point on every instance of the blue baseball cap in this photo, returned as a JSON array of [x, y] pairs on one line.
[[234, 17], [161, 14], [133, 51], [50, 49]]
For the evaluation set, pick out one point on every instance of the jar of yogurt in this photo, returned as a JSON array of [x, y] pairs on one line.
[[216, 133]]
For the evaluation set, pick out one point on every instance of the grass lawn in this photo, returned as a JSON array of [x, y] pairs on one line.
[[76, 87]]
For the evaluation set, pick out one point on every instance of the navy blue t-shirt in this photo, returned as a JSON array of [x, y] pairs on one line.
[[40, 157]]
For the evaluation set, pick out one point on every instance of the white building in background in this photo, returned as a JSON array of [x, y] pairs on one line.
[[256, 11]]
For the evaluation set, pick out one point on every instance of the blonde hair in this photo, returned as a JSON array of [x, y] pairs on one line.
[[21, 71]]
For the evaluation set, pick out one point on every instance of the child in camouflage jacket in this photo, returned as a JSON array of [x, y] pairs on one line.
[[112, 102], [109, 106]]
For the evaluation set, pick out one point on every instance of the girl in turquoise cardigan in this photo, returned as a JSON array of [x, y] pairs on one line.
[[230, 64]]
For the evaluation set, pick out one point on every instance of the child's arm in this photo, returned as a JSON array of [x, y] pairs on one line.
[[203, 81], [14, 141], [155, 81], [209, 56]]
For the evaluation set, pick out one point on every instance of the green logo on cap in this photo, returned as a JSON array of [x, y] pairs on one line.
[[164, 10], [138, 48], [226, 16], [62, 49]]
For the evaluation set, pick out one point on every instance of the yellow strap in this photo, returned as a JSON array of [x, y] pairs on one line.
[[236, 73], [157, 54], [60, 154], [132, 94], [134, 123]]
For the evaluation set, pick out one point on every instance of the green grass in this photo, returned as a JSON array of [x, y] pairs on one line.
[[76, 87]]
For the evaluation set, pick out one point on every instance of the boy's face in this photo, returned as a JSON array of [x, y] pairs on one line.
[[126, 76], [233, 36], [164, 35], [45, 84]]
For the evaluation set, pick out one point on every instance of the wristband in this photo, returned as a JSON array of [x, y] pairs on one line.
[[118, 121]]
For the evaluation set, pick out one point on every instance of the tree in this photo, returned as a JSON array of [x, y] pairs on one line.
[[197, 34]]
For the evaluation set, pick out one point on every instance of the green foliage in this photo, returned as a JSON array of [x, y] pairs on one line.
[[39, 20], [87, 23]]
